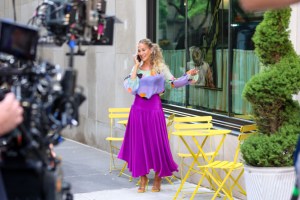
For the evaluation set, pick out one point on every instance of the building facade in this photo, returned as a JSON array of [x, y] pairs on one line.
[[213, 36]]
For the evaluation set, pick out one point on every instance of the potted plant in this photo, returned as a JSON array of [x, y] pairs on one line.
[[275, 113]]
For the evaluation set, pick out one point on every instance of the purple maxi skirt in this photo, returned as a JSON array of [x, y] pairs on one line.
[[146, 144]]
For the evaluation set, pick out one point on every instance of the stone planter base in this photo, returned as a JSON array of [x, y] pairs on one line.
[[269, 183]]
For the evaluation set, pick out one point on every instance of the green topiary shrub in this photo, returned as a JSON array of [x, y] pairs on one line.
[[269, 151], [276, 114], [271, 37], [270, 94]]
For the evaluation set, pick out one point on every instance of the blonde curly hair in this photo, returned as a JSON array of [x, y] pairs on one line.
[[156, 58]]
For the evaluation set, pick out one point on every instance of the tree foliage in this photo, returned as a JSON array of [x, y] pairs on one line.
[[276, 114], [195, 7]]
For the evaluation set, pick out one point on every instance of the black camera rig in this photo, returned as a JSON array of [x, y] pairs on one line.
[[84, 20], [48, 94]]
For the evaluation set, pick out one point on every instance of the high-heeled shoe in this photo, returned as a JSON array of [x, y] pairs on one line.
[[143, 185], [156, 184]]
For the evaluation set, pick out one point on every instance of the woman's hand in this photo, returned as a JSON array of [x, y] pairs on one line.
[[193, 72], [135, 59], [135, 67]]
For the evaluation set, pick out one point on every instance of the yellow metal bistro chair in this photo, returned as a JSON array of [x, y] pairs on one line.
[[191, 123], [115, 115], [228, 167], [170, 121], [201, 152], [252, 128]]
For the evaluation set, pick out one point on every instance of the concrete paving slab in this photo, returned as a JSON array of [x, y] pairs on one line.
[[167, 193], [87, 169]]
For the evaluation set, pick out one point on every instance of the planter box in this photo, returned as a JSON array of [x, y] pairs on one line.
[[269, 183]]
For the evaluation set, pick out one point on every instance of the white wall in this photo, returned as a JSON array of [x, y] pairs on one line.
[[101, 71], [295, 34], [295, 27]]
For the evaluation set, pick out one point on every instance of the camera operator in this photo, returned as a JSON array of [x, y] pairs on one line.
[[11, 113]]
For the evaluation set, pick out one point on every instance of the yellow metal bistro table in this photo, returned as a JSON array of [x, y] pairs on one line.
[[195, 135]]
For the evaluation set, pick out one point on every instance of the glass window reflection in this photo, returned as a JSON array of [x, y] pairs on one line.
[[196, 34]]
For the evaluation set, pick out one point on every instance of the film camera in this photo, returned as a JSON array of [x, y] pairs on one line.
[[84, 19], [48, 94], [29, 169]]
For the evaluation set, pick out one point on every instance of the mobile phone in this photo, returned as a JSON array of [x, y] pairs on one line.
[[138, 58]]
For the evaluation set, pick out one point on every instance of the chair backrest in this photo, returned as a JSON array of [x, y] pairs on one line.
[[114, 113], [117, 114], [193, 123], [246, 131], [170, 121], [248, 128]]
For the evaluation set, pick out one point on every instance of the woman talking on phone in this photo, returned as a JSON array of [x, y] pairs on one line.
[[146, 145]]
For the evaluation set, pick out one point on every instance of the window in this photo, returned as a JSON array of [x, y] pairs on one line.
[[213, 36]]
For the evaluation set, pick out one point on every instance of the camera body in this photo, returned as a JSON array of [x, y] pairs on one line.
[[50, 99], [48, 94]]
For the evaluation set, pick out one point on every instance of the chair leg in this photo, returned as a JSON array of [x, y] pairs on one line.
[[169, 180], [123, 169], [173, 177], [181, 168], [111, 162], [122, 172], [222, 185], [236, 183], [198, 185], [184, 180], [217, 178], [138, 183]]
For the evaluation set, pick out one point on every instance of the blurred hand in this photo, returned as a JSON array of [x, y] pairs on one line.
[[11, 113], [193, 72]]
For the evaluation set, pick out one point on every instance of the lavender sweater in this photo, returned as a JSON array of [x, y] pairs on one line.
[[148, 83]]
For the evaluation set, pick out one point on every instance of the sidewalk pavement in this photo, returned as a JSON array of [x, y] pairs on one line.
[[87, 169]]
